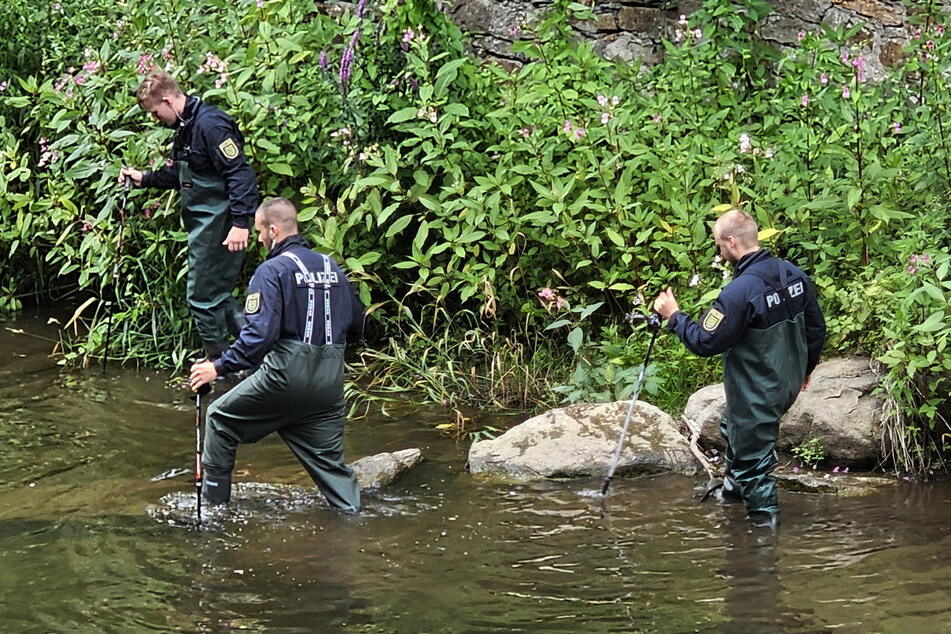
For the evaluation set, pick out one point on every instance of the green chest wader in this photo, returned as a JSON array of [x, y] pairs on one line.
[[762, 376], [212, 269], [297, 392]]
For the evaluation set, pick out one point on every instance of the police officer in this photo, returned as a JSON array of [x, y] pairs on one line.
[[770, 329], [300, 313], [219, 195]]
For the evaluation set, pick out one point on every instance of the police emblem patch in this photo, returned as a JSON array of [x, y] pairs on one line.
[[253, 303], [229, 149], [712, 320]]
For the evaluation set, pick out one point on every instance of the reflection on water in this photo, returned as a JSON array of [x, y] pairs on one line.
[[439, 551]]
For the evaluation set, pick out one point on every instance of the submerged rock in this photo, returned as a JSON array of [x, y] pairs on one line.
[[379, 470], [845, 485], [579, 440], [266, 500], [839, 408]]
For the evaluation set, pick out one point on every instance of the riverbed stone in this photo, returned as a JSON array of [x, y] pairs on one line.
[[841, 484], [839, 408], [579, 440], [381, 469]]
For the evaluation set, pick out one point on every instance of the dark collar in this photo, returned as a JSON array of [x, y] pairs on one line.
[[286, 244], [749, 260], [188, 114]]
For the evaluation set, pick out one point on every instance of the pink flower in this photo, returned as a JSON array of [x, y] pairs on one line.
[[579, 132], [801, 35], [697, 34], [745, 144], [912, 269], [80, 79], [3, 85], [929, 45], [858, 63], [896, 126], [525, 132], [846, 92], [804, 101], [605, 117], [547, 294], [795, 469], [939, 29], [560, 303], [144, 65], [260, 4], [860, 76], [408, 36], [823, 79], [615, 100], [91, 67], [836, 470], [925, 258], [656, 118], [683, 20], [566, 128], [844, 57], [916, 33], [602, 101], [86, 227]]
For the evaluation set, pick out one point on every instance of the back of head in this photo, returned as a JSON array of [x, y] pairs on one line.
[[740, 225], [281, 213], [156, 86]]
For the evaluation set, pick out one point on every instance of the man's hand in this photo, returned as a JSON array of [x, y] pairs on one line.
[[805, 383], [665, 304], [237, 239], [203, 372], [132, 173]]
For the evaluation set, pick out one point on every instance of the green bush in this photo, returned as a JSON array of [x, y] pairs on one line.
[[457, 191]]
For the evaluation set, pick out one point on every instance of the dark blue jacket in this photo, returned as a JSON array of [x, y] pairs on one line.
[[276, 306], [199, 139], [764, 291]]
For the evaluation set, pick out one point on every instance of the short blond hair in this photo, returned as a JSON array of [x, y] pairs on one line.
[[740, 225], [280, 212], [156, 86]]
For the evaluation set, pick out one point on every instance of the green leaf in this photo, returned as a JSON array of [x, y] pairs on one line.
[[402, 115], [575, 338], [281, 168], [399, 225]]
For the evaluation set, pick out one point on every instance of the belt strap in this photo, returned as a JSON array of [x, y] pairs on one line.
[[312, 299]]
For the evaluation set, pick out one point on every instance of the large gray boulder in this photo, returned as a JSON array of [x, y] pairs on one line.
[[381, 469], [839, 408], [579, 440]]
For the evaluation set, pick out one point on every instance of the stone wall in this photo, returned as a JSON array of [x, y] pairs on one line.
[[628, 30]]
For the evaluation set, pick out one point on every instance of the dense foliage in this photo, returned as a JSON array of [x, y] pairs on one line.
[[500, 222]]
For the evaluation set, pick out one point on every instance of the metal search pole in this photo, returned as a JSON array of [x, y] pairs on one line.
[[203, 390], [126, 186], [653, 324]]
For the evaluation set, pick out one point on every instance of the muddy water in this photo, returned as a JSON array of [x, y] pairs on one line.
[[439, 551]]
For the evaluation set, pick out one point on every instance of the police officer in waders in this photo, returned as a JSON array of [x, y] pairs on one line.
[[770, 329], [300, 314], [219, 195]]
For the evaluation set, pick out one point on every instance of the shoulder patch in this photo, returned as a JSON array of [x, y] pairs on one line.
[[712, 320], [229, 149], [253, 303]]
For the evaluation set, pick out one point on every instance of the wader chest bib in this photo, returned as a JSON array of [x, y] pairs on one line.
[[762, 376], [212, 269]]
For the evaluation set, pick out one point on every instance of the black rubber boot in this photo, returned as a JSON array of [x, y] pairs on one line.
[[216, 487], [764, 519], [729, 493]]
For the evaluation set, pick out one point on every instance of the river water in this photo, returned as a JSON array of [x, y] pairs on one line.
[[438, 551]]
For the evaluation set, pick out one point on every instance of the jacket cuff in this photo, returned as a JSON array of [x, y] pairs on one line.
[[242, 221], [146, 180]]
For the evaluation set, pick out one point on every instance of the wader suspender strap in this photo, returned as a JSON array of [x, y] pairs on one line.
[[311, 299], [769, 282], [328, 329]]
